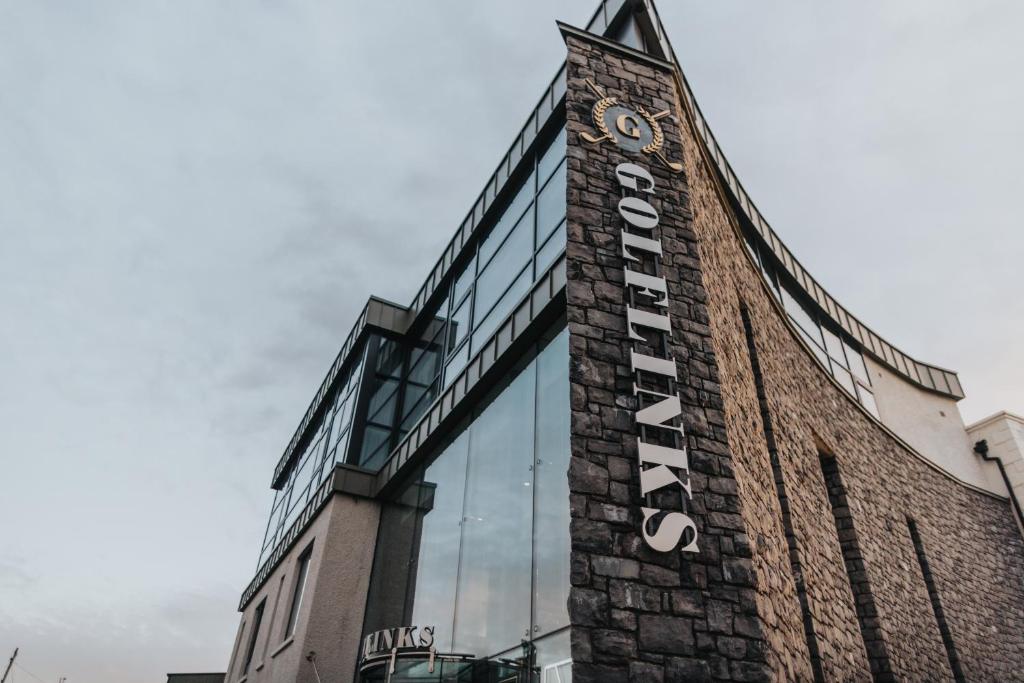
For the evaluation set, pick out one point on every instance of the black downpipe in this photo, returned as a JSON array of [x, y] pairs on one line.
[[981, 448]]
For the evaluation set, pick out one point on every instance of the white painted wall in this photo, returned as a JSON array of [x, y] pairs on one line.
[[1004, 433], [932, 425]]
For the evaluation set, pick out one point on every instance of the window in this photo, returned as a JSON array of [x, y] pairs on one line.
[[478, 543], [250, 649], [329, 445], [300, 589]]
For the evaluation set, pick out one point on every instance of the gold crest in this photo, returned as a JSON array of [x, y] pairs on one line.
[[633, 130]]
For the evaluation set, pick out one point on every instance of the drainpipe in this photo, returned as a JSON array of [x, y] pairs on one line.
[[981, 448]]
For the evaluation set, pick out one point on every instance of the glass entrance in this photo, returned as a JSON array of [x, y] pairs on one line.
[[448, 670]]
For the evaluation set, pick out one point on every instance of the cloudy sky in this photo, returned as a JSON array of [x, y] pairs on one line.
[[197, 197]]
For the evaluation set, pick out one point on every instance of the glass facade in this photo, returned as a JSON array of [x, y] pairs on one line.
[[525, 239], [834, 349], [523, 242], [404, 376], [477, 543], [327, 446]]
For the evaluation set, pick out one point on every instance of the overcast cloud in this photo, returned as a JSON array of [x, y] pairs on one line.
[[197, 197]]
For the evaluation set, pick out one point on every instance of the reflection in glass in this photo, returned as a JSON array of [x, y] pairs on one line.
[[551, 506], [551, 204], [459, 326], [833, 345], [441, 498], [507, 220], [479, 544], [552, 157], [554, 658], [550, 251], [843, 376], [456, 364], [801, 316], [491, 613], [856, 362], [464, 281], [509, 299], [499, 273]]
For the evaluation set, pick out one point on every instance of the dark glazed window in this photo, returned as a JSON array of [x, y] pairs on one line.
[[257, 619], [298, 591]]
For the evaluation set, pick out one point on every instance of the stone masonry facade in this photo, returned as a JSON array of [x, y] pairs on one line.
[[637, 614], [974, 548], [827, 549]]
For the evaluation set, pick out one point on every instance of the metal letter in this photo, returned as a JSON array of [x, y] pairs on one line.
[[427, 636], [659, 366], [405, 637], [638, 242], [649, 285], [369, 645], [628, 125], [638, 213], [628, 175], [654, 478], [654, 321], [669, 531]]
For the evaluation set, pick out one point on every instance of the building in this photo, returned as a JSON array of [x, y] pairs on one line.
[[195, 678], [622, 434]]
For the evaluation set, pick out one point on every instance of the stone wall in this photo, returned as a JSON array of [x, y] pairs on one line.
[[779, 562], [638, 614], [973, 547]]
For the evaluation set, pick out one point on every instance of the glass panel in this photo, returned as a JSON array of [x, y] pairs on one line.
[[300, 588], [389, 358], [373, 438], [413, 410], [867, 399], [551, 204], [426, 363], [459, 326], [822, 358], [384, 392], [414, 394], [462, 284], [385, 413], [456, 364], [500, 272], [507, 220], [856, 364], [489, 324], [376, 459], [551, 509], [441, 498], [629, 35], [833, 345], [550, 251], [397, 540], [491, 614], [844, 377], [552, 157], [800, 315], [554, 658]]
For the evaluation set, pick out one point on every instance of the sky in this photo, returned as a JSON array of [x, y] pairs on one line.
[[196, 199]]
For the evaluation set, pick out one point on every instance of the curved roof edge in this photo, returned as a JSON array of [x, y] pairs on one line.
[[924, 375]]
